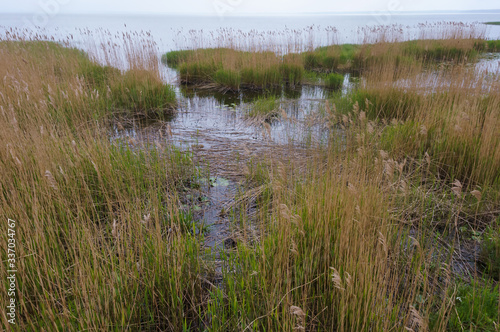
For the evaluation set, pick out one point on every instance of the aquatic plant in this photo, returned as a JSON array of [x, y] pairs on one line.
[[334, 80]]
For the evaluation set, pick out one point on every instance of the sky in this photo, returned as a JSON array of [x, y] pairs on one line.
[[238, 7]]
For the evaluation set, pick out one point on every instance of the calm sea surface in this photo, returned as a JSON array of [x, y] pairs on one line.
[[169, 31]]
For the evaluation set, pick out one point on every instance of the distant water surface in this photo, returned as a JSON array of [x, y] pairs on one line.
[[169, 31]]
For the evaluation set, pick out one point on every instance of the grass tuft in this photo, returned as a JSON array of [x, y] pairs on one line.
[[334, 81]]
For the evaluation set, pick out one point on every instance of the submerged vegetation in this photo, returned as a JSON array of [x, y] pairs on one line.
[[391, 224]]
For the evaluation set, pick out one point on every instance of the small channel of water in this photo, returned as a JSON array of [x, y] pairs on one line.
[[213, 126]]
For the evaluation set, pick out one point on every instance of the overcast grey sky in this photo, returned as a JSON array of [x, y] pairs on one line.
[[214, 7]]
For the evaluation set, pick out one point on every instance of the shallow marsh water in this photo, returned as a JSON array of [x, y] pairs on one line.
[[215, 128]]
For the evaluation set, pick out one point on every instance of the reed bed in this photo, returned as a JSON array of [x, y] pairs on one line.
[[368, 233], [232, 69], [450, 114], [372, 234], [96, 221], [234, 66]]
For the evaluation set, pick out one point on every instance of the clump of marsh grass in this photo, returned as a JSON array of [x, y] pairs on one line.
[[334, 81], [79, 200], [232, 69], [331, 58], [265, 108], [141, 92], [175, 58]]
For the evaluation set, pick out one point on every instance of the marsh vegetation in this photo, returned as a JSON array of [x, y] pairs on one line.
[[388, 219]]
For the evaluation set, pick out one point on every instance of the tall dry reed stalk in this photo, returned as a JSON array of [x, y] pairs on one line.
[[86, 255]]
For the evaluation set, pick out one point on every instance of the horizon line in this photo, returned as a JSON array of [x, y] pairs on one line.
[[370, 12]]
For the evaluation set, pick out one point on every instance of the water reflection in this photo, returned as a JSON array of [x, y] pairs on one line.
[[207, 118], [489, 63]]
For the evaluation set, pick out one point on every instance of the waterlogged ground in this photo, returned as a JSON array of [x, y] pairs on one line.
[[490, 63], [215, 129]]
